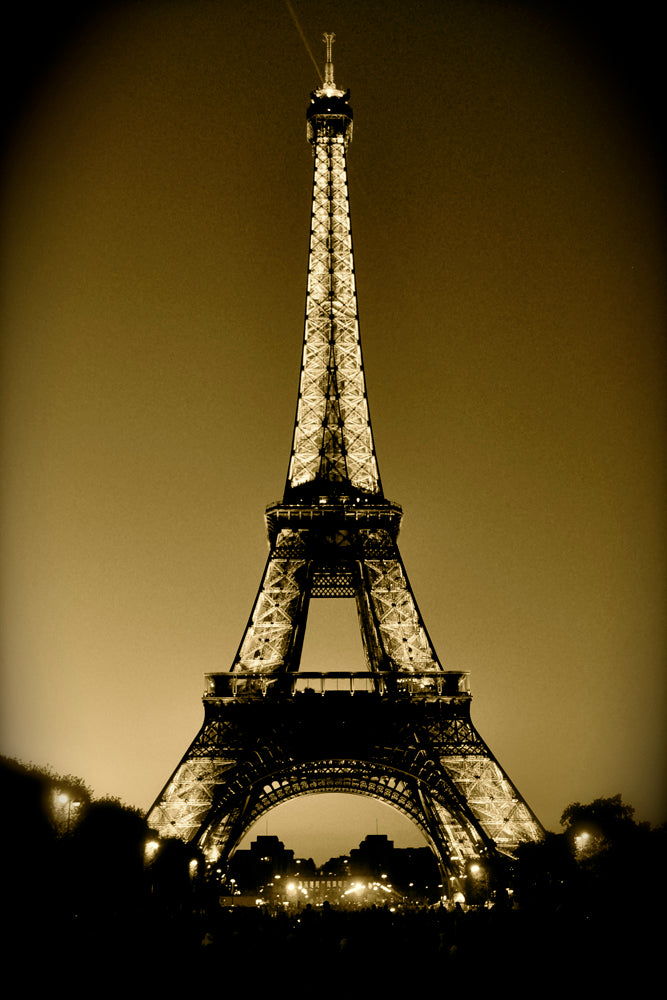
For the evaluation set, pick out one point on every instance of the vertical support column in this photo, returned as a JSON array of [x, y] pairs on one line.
[[273, 633]]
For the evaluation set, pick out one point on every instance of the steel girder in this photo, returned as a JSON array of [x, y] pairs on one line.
[[322, 551], [252, 755]]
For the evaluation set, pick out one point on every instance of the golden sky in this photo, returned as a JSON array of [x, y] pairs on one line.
[[507, 217]]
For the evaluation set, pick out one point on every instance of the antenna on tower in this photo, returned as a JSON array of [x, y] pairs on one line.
[[329, 84]]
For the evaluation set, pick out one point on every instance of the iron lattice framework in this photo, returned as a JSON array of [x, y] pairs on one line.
[[399, 731]]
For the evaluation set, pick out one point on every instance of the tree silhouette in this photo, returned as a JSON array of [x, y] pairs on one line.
[[108, 850]]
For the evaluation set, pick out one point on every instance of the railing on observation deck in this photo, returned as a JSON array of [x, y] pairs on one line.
[[410, 683]]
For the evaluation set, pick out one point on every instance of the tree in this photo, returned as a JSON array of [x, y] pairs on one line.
[[601, 822], [601, 861], [174, 873], [107, 858], [619, 859], [546, 876], [27, 839]]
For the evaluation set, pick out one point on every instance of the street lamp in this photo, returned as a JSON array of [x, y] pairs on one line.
[[63, 798], [151, 848]]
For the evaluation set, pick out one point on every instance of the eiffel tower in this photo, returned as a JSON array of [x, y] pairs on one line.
[[399, 731]]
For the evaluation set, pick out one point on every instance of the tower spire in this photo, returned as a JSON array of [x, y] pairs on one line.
[[329, 38]]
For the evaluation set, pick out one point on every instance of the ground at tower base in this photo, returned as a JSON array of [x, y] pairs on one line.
[[91, 895]]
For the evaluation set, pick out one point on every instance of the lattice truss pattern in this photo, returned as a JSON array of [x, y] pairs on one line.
[[403, 638], [184, 805], [359, 778], [269, 644], [270, 634], [497, 806], [333, 440]]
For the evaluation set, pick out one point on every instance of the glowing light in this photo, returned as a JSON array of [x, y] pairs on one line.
[[581, 841], [151, 848], [356, 888]]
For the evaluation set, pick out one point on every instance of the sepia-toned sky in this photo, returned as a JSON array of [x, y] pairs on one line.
[[507, 212]]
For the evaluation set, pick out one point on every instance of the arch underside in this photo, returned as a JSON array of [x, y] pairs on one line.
[[451, 840], [344, 777], [215, 803]]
